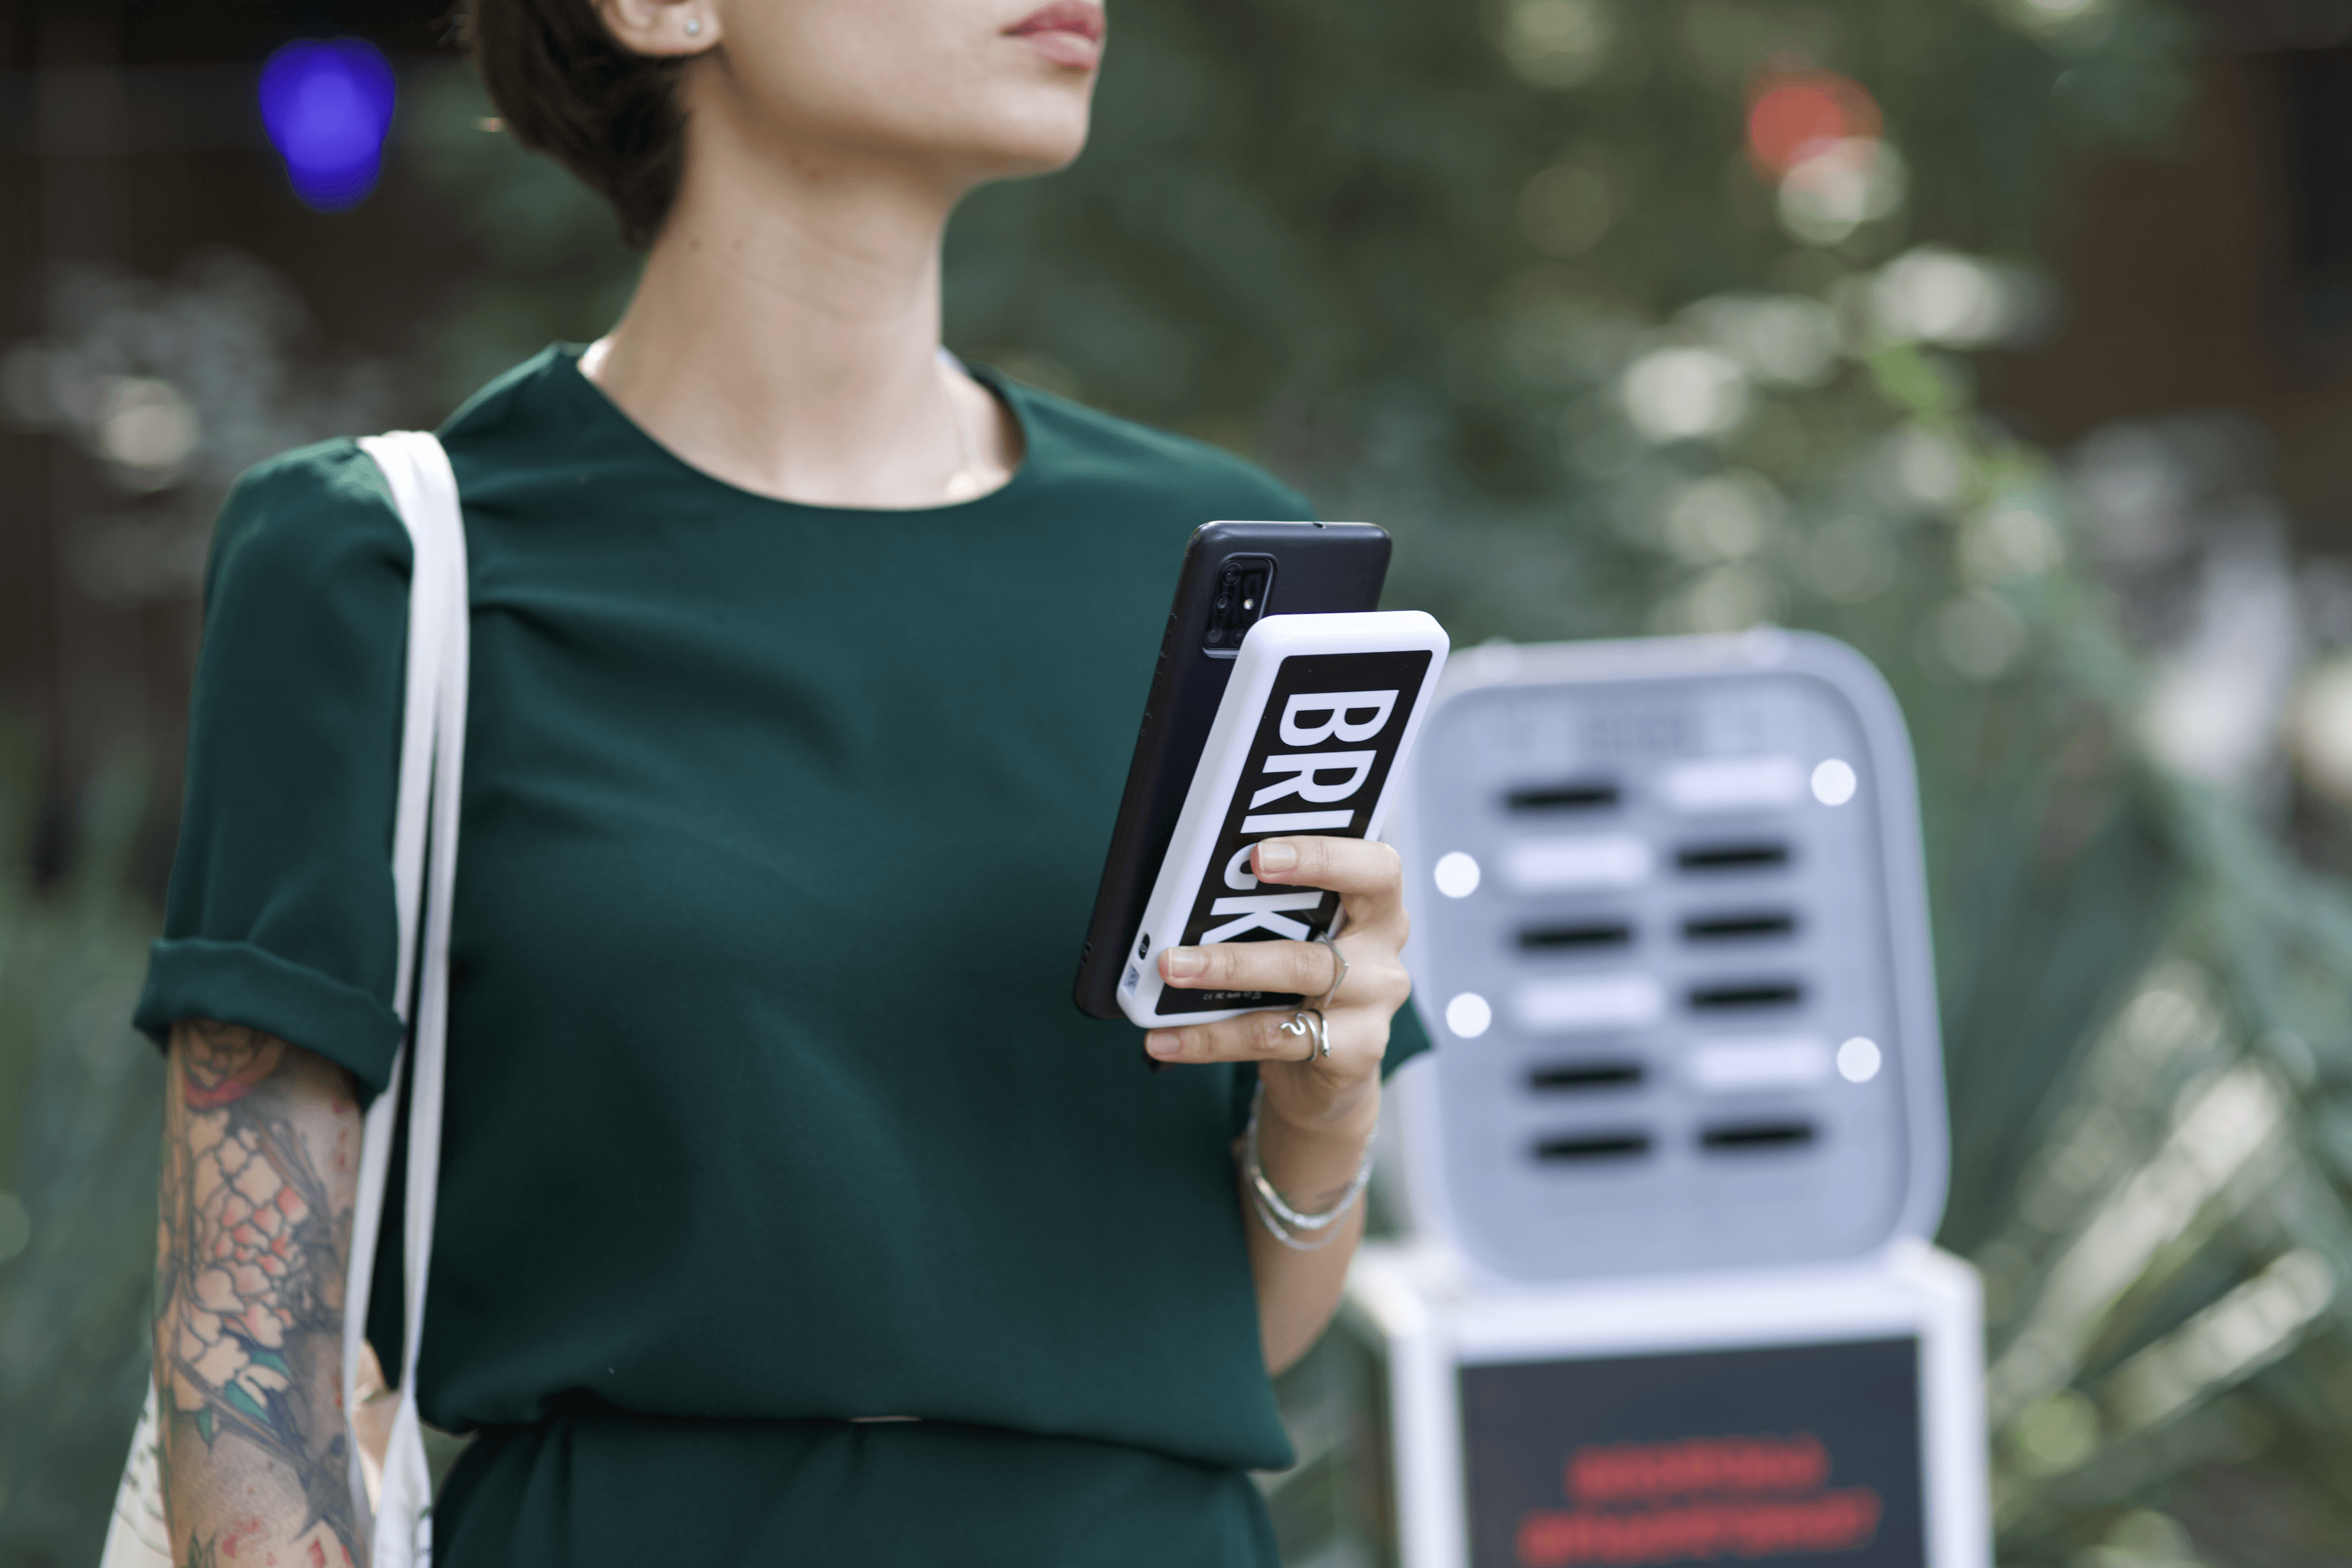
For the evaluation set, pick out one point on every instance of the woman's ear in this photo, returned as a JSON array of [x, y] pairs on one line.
[[667, 29]]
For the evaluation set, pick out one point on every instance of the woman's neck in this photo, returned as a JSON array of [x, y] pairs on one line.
[[784, 336]]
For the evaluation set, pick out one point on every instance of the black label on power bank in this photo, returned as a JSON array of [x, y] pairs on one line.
[[1317, 765]]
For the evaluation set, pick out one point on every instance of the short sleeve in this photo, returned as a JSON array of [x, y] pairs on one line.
[[281, 915]]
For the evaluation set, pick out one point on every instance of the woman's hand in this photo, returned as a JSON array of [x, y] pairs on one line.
[[1319, 1111], [1303, 1087]]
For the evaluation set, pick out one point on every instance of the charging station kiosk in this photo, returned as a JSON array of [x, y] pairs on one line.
[[1673, 1166]]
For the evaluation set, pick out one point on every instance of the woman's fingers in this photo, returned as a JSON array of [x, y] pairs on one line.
[[1300, 968], [1373, 977], [1367, 875], [1368, 879], [1376, 986], [1358, 1037]]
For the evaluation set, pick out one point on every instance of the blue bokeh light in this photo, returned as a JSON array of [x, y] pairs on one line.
[[327, 107]]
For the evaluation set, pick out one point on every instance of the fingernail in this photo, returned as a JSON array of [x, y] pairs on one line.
[[1276, 857], [1182, 962], [1162, 1043]]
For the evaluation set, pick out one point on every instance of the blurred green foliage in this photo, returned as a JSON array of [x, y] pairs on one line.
[[77, 1161], [1415, 258], [1503, 279]]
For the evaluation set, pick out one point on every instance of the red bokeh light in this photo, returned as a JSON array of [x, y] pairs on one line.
[[1792, 117]]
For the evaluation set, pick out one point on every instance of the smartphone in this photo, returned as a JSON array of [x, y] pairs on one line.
[[1234, 574], [1318, 719]]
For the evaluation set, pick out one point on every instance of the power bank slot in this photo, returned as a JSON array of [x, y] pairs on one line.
[[1579, 937], [1738, 927], [1757, 994], [1738, 1137], [1586, 1147], [1584, 795], [1578, 1077], [1761, 855]]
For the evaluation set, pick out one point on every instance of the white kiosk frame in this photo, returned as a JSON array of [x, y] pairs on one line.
[[1411, 1304], [1518, 1285]]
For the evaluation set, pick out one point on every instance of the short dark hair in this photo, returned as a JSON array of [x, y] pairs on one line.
[[563, 86]]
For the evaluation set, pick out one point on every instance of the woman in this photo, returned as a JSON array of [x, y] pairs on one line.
[[790, 1213]]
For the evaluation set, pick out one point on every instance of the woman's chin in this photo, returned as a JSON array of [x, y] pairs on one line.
[[1034, 144]]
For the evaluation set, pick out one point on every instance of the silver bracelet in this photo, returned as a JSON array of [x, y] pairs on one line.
[[1278, 1218]]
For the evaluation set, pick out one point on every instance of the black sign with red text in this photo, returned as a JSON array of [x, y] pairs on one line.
[[1800, 1454]]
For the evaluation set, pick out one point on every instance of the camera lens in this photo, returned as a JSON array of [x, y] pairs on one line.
[[1223, 600]]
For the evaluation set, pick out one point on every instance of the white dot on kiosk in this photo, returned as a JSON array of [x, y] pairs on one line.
[[1858, 1061], [1833, 782], [1468, 1016], [1458, 875]]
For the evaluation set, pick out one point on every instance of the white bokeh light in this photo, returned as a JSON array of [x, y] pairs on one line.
[[1558, 44], [2319, 724], [1858, 1061], [1723, 518], [2089, 20], [1926, 468], [1828, 196], [145, 424], [1457, 875], [1786, 339], [2014, 540], [1680, 395], [1833, 782], [1934, 295], [1468, 1016]]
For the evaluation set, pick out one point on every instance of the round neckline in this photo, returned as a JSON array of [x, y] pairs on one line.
[[996, 385]]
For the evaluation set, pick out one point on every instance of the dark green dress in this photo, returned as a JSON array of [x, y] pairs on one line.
[[768, 1107]]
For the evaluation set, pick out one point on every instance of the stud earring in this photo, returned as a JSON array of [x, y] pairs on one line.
[[693, 26]]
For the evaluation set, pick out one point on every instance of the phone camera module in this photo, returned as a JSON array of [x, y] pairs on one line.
[[1239, 603]]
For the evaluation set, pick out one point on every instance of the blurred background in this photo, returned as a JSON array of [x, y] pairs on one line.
[[2009, 340]]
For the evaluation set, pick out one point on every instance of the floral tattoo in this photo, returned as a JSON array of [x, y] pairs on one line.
[[260, 1156]]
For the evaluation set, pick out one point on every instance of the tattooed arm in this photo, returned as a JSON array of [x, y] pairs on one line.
[[260, 1175]]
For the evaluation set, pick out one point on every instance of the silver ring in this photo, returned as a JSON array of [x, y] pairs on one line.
[[1339, 978], [1318, 1031]]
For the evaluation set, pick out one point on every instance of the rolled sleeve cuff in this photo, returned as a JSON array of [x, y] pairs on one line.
[[237, 983]]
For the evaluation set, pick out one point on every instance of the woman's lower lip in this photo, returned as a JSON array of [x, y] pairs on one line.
[[1072, 49]]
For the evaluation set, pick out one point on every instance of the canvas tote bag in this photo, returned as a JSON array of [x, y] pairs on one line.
[[424, 875]]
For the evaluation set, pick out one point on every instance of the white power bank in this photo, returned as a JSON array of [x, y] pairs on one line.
[[1319, 714]]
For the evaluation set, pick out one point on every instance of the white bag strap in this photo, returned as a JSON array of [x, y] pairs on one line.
[[425, 863], [431, 754]]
